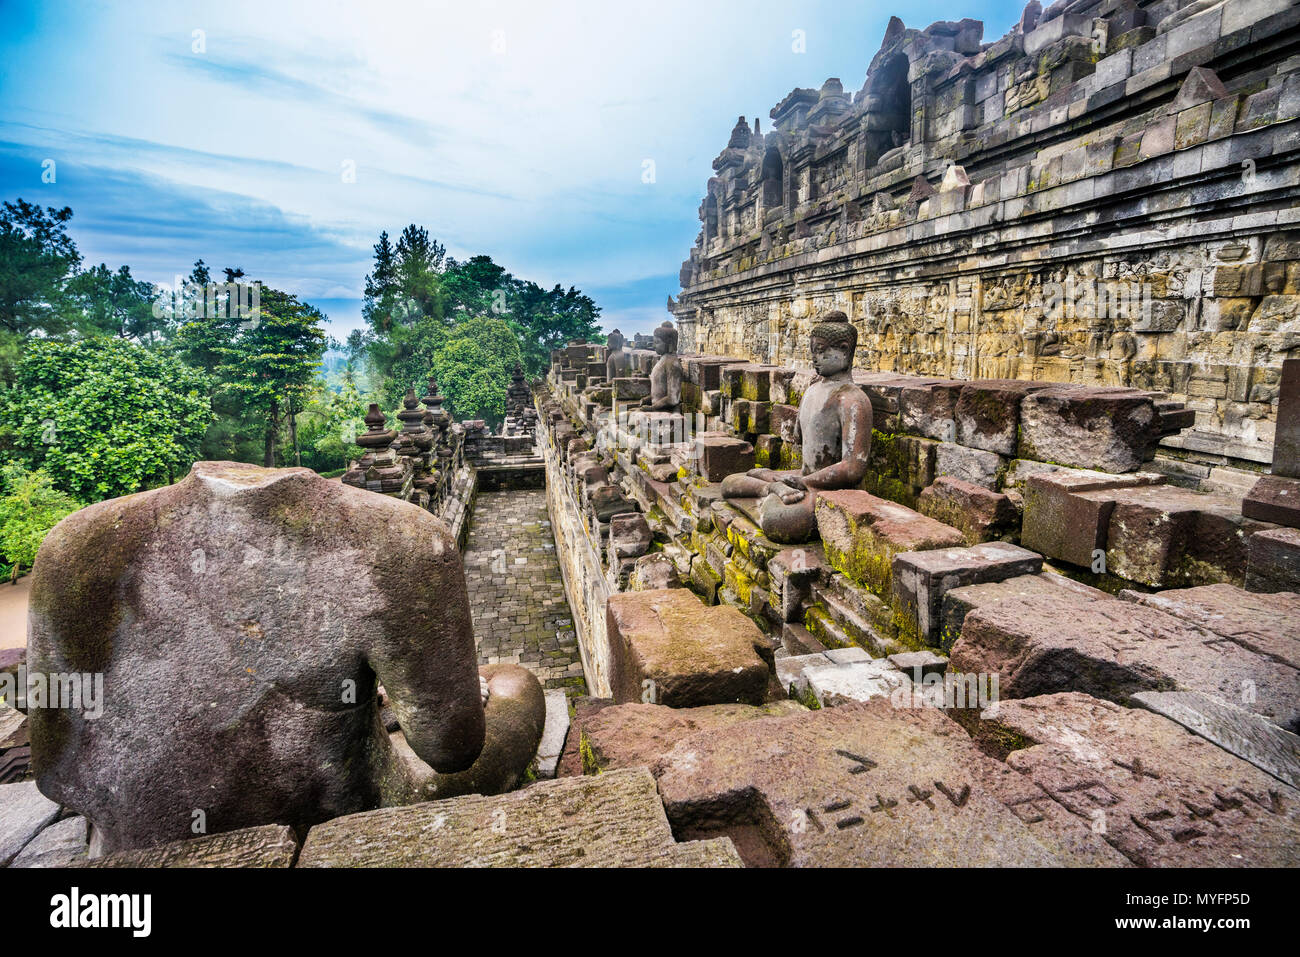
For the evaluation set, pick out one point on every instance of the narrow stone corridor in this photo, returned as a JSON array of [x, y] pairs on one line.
[[516, 593]]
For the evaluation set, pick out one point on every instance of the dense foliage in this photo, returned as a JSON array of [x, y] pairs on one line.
[[30, 506], [105, 417], [110, 385], [468, 322]]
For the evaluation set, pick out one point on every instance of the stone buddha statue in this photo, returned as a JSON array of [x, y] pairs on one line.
[[619, 362], [666, 376], [834, 431]]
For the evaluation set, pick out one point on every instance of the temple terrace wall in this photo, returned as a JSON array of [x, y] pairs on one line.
[[1106, 195]]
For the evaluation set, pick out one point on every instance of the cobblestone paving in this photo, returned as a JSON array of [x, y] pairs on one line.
[[515, 590]]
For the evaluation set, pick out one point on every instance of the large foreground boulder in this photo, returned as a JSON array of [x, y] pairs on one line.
[[239, 619]]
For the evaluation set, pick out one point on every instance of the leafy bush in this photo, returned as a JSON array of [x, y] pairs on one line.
[[30, 507], [105, 417]]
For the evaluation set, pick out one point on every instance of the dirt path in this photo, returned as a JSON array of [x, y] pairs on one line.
[[13, 612]]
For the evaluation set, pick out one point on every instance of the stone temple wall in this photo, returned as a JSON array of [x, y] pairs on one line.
[[1108, 195]]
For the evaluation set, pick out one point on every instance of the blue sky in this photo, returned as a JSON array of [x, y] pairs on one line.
[[519, 130]]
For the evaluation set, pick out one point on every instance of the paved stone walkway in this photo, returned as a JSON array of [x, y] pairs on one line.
[[515, 590]]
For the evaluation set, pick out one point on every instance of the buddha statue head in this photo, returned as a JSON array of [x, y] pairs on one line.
[[666, 339], [833, 342]]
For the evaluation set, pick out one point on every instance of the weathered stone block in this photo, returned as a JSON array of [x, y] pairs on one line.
[[862, 785], [719, 457], [1239, 732], [653, 572], [919, 663], [631, 388], [790, 671], [1065, 520], [666, 647], [1113, 649], [969, 465], [791, 574], [705, 372], [24, 813], [1166, 798], [271, 845], [749, 417], [629, 535], [988, 413], [1273, 560], [611, 820], [747, 381], [900, 466], [62, 844], [1168, 536], [783, 420], [1275, 499], [636, 735], [862, 533], [1263, 623], [1107, 429], [930, 409], [921, 579], [840, 682], [979, 514], [553, 733], [1045, 587]]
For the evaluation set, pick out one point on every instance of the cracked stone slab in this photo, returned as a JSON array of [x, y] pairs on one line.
[[669, 646], [613, 819], [836, 684], [1159, 794], [62, 844], [790, 670], [630, 735], [24, 813], [1113, 649], [863, 785], [271, 845], [1246, 735], [553, 733], [1265, 623]]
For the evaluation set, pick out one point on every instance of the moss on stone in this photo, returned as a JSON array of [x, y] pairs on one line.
[[816, 620], [589, 763], [805, 698]]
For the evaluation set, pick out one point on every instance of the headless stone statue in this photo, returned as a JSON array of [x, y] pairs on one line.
[[666, 376], [618, 363], [834, 430], [240, 619]]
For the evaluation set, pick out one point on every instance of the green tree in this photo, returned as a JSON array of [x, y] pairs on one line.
[[473, 368], [329, 427], [115, 304], [267, 363], [37, 259], [546, 320], [478, 287], [105, 417], [420, 306]]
